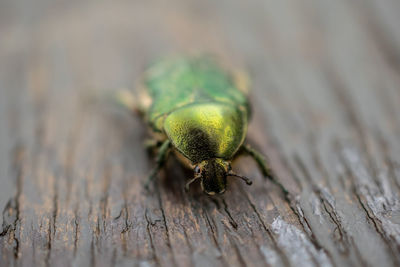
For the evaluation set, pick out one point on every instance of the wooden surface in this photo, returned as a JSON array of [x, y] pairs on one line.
[[326, 78]]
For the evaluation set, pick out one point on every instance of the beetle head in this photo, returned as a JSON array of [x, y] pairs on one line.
[[213, 174]]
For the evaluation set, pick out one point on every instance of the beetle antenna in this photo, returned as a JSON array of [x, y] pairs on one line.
[[191, 181], [244, 178]]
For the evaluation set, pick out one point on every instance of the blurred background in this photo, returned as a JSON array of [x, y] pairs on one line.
[[326, 101]]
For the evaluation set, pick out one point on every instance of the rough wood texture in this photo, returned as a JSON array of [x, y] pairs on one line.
[[326, 77]]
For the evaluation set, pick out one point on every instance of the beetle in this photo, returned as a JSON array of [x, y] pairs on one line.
[[200, 111]]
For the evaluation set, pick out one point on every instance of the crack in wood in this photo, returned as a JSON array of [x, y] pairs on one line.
[[149, 223], [242, 262], [359, 189], [231, 219], [164, 221], [267, 230], [76, 233], [12, 210]]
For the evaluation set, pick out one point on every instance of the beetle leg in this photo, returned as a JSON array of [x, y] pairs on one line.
[[262, 164], [160, 161], [128, 100], [152, 144], [190, 182]]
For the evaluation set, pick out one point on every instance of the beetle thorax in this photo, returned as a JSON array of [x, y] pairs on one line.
[[206, 130]]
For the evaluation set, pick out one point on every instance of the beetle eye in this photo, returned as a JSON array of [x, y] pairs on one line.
[[197, 170]]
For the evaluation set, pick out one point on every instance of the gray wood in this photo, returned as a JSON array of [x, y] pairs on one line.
[[326, 95]]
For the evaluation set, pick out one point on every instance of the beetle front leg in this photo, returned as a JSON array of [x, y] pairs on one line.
[[152, 144], [137, 104], [160, 161], [262, 164]]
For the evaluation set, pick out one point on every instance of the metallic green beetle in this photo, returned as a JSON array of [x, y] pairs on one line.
[[201, 112]]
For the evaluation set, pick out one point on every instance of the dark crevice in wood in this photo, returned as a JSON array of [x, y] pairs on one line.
[[12, 210], [92, 253], [119, 215], [231, 219], [48, 252], [123, 242], [241, 261], [296, 207], [76, 229], [223, 210], [342, 238], [51, 231], [214, 235], [127, 225], [8, 211], [11, 217], [378, 227], [18, 159], [211, 225], [97, 231], [164, 221], [371, 216], [5, 227], [105, 194], [154, 253], [298, 211], [55, 207], [267, 230], [344, 241]]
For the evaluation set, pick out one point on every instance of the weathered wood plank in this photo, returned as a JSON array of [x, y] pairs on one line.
[[326, 111]]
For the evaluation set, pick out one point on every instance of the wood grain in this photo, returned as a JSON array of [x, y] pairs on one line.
[[326, 95]]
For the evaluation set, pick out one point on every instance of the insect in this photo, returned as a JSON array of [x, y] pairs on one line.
[[198, 110]]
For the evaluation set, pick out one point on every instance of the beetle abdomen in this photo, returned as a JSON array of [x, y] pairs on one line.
[[207, 130]]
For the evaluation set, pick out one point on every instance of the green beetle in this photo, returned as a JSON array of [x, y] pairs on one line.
[[201, 112]]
